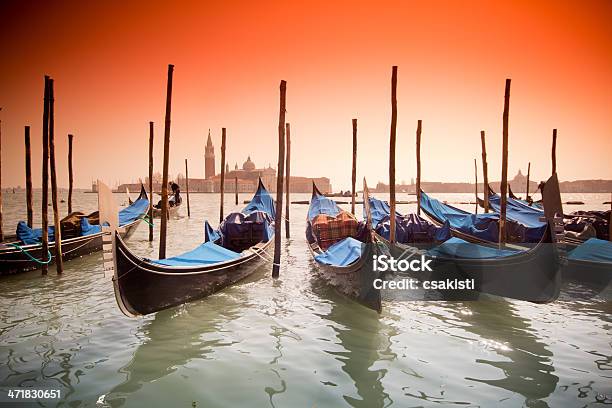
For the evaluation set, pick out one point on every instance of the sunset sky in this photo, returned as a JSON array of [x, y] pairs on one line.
[[109, 61]]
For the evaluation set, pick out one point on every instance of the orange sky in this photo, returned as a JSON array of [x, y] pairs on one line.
[[109, 62]]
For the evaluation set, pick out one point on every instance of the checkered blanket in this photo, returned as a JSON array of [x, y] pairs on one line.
[[329, 230]]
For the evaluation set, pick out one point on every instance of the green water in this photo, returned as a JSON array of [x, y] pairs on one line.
[[293, 342]]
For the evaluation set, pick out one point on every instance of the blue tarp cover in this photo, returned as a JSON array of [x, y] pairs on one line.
[[257, 225], [210, 234], [523, 214], [134, 211], [409, 228], [458, 248], [483, 226], [320, 204], [30, 236], [342, 253], [206, 254], [593, 249], [262, 201]]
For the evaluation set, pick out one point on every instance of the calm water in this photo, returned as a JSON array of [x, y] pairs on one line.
[[294, 342]]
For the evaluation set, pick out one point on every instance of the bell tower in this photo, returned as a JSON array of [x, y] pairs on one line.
[[209, 158]]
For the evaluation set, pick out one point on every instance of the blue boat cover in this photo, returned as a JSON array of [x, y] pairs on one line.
[[262, 201], [30, 236], [133, 211], [483, 226], [319, 204], [460, 249], [523, 214], [593, 249], [210, 234], [87, 228], [409, 228], [256, 226], [342, 253], [206, 254]]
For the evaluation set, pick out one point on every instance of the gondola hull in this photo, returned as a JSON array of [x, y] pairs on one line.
[[14, 260], [598, 274], [142, 287], [531, 275], [172, 211], [354, 281]]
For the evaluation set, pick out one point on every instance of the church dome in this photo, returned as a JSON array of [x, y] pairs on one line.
[[248, 165]]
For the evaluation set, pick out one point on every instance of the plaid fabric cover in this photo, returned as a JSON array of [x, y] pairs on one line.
[[329, 230]]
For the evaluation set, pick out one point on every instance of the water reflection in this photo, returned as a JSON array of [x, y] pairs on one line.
[[505, 332], [365, 341], [170, 340]]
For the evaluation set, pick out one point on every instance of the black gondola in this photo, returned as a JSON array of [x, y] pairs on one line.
[[144, 286], [15, 257], [353, 278], [531, 274]]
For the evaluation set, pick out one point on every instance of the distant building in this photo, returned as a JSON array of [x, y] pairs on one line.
[[209, 158]]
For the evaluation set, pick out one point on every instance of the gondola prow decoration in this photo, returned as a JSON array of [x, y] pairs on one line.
[[109, 223]]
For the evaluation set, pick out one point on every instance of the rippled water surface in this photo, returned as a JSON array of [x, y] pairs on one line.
[[293, 342]]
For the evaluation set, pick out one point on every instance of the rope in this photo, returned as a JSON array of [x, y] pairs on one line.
[[263, 257], [30, 256], [146, 219]]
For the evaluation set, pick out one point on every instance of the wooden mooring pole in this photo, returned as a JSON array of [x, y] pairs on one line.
[[163, 229], [28, 172], [187, 187], [279, 181], [392, 152], [288, 180], [554, 152], [70, 174], [485, 171], [222, 187], [45, 180], [1, 221], [476, 184], [418, 163], [354, 167], [504, 177], [59, 262], [236, 190], [150, 181], [528, 174]]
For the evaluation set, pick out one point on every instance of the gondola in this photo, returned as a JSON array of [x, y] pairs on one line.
[[346, 264], [590, 263], [172, 211], [530, 274], [227, 255], [16, 257]]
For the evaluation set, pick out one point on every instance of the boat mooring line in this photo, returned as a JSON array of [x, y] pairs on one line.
[[30, 256]]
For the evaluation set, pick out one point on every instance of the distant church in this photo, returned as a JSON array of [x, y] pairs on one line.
[[245, 179]]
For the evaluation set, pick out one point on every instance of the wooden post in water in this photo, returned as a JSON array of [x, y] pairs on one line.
[[288, 180], [150, 181], [70, 175], [236, 189], [528, 174], [187, 187], [222, 172], [554, 152], [392, 152], [485, 171], [164, 188], [279, 181], [45, 179], [354, 167], [59, 262], [504, 177], [418, 157], [1, 221], [28, 172], [476, 184]]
